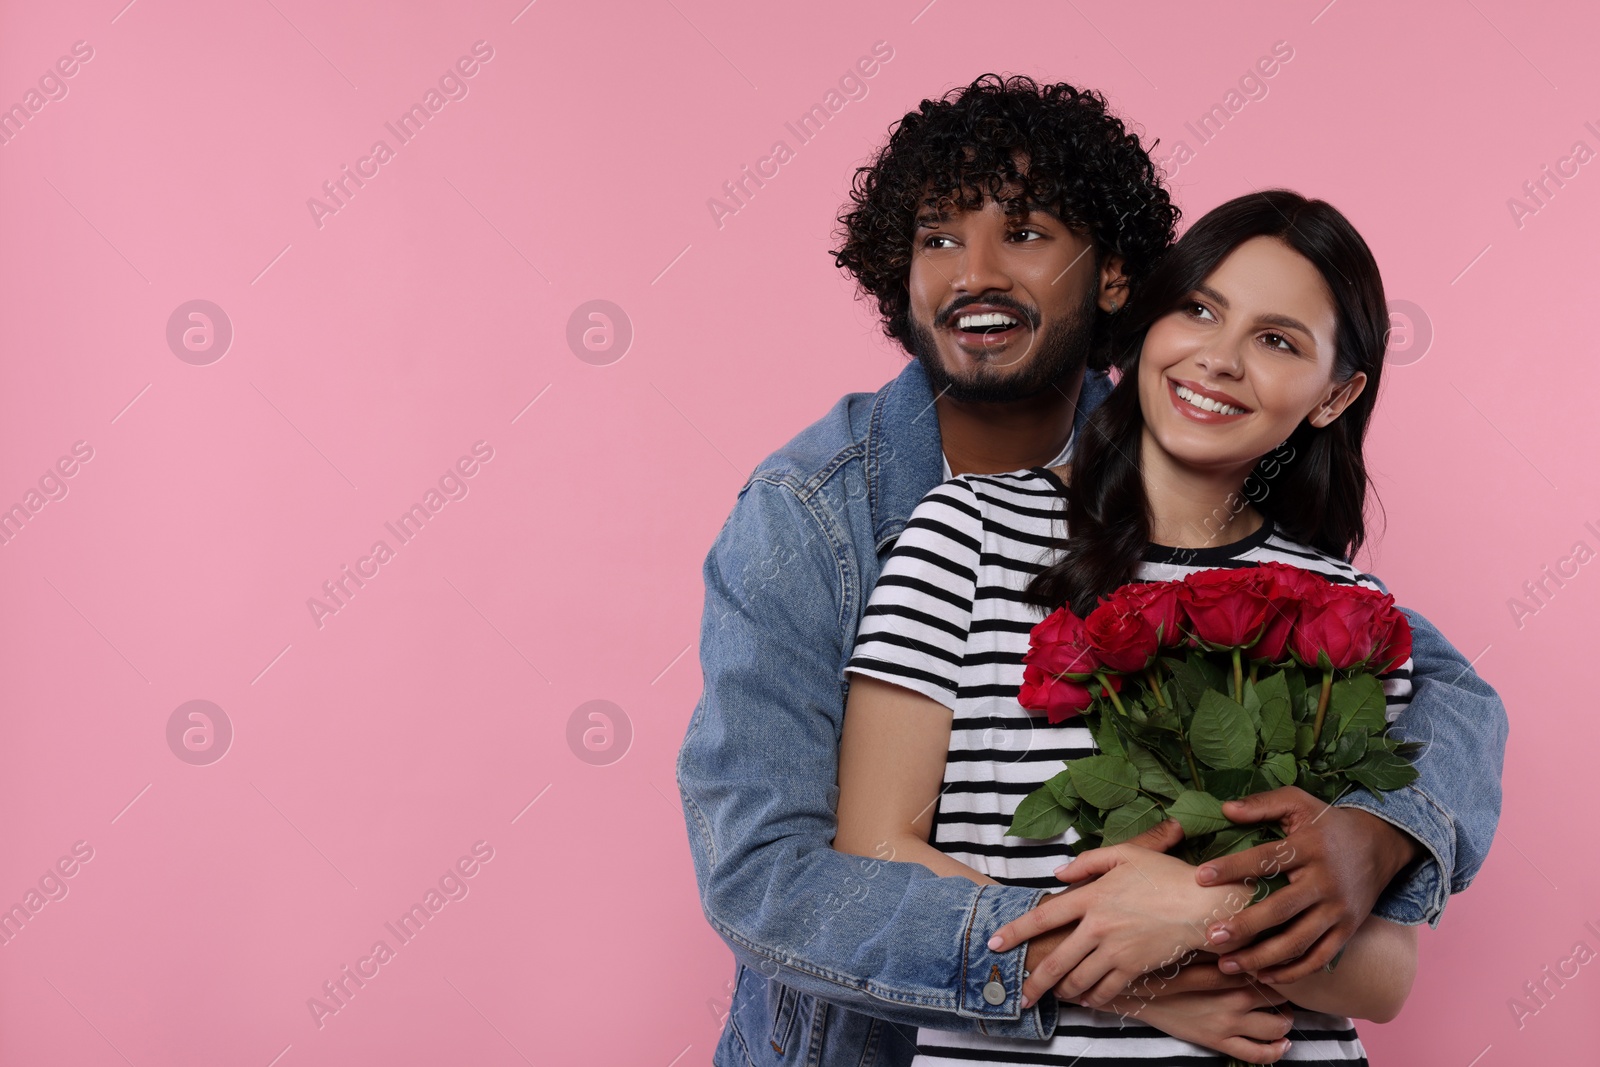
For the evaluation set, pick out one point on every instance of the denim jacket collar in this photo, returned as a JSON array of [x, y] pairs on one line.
[[903, 448]]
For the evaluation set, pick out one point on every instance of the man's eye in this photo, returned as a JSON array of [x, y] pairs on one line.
[[1036, 233], [934, 237]]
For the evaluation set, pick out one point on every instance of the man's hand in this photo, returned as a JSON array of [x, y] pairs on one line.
[[1338, 861]]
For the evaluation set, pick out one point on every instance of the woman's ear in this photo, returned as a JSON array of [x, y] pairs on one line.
[[1340, 396], [1113, 284]]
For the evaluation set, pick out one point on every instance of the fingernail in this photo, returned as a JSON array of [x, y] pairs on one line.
[[996, 941], [1270, 979], [1218, 934], [1228, 967], [1027, 1002], [1207, 875], [1058, 870]]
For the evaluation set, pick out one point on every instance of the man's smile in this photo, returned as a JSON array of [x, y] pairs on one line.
[[985, 326]]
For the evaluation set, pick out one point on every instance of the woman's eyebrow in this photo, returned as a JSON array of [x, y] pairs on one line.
[[1270, 320]]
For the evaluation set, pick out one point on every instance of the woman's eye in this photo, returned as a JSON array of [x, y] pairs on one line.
[[1280, 342], [1198, 310]]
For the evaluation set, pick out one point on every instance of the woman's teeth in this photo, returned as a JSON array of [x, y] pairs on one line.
[[1206, 403]]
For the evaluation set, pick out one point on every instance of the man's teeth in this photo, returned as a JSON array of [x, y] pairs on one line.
[[1206, 402], [988, 318]]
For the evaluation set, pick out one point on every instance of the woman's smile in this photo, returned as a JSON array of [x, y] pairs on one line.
[[1204, 407]]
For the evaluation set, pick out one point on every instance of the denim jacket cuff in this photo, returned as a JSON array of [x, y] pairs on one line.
[[988, 976], [1419, 894]]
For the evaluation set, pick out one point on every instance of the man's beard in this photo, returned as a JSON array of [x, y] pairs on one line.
[[1061, 354]]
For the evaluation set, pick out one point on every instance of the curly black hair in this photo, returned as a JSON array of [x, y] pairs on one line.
[[1082, 163]]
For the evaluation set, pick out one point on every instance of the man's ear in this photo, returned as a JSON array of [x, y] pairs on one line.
[[1113, 283]]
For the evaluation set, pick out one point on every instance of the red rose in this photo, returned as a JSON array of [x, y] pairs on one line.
[[1225, 607], [1121, 636], [1058, 645], [1348, 622], [1058, 698], [1394, 647], [1158, 602], [1285, 588]]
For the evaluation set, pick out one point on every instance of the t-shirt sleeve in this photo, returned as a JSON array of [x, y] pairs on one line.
[[1397, 680], [914, 630]]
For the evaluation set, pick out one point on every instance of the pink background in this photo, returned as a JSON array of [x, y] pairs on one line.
[[432, 710]]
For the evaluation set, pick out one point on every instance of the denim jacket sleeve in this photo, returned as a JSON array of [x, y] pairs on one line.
[[758, 774], [1452, 809]]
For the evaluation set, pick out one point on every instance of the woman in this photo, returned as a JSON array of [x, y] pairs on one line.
[[1253, 350]]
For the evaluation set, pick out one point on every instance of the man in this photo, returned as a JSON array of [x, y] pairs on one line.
[[998, 231]]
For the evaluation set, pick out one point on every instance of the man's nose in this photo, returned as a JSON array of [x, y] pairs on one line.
[[980, 268]]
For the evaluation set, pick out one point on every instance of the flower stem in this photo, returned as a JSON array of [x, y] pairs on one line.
[[1194, 769], [1322, 705], [1110, 692], [1155, 686], [1238, 677], [1254, 666]]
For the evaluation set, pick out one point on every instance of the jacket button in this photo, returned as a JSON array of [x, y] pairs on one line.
[[994, 993]]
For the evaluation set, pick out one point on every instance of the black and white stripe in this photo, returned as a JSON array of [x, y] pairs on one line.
[[946, 619]]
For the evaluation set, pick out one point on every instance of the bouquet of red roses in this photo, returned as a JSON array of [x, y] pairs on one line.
[[1227, 683]]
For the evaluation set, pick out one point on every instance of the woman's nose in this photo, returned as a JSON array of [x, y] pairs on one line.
[[1221, 358]]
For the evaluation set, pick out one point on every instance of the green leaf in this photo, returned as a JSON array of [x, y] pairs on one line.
[[1359, 703], [1294, 679], [1221, 733], [1106, 737], [1404, 749], [1348, 749], [1198, 813], [1132, 819], [1104, 781], [1163, 718], [1266, 886], [1323, 789], [1089, 825], [1234, 839], [1305, 708], [1277, 724], [1170, 749], [1304, 740], [1232, 784], [1381, 771], [1062, 789], [1153, 774], [1039, 817], [1259, 782], [1196, 674], [1279, 769]]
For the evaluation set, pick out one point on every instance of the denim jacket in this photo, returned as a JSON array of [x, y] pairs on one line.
[[839, 958]]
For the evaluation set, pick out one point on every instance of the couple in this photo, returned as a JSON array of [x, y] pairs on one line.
[[1085, 405]]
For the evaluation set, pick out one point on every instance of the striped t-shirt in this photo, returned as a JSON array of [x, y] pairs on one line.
[[946, 619]]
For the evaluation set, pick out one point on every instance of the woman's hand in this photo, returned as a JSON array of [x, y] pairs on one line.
[[1142, 911], [1248, 1024], [1199, 976]]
